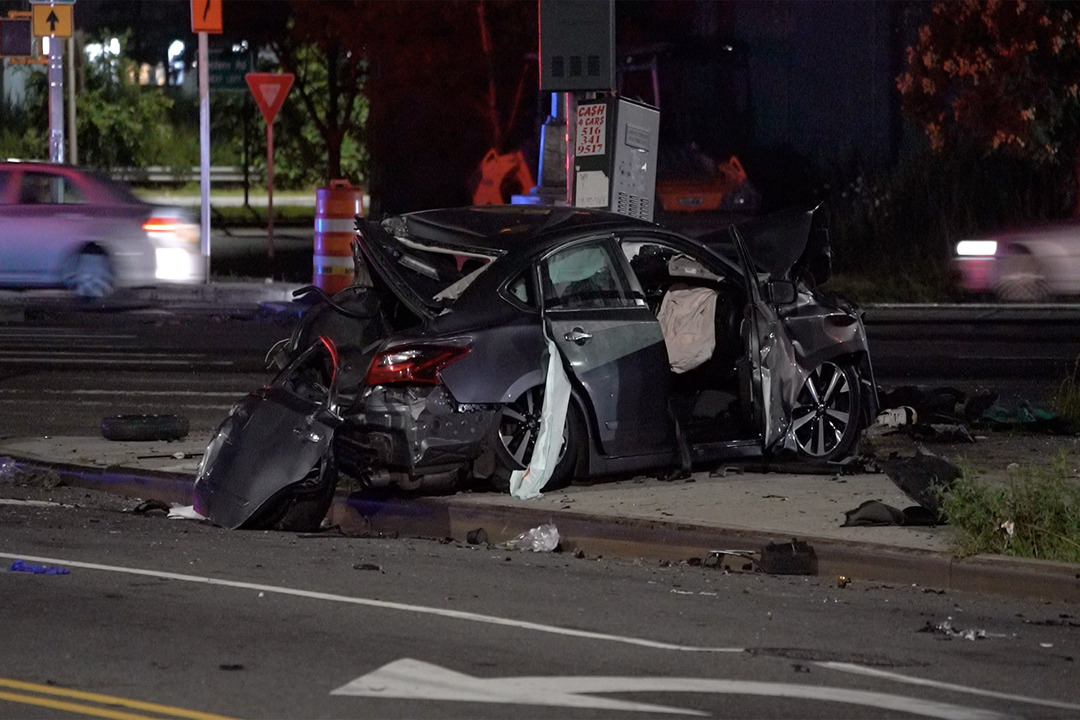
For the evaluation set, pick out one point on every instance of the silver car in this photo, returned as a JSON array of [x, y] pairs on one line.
[[63, 226]]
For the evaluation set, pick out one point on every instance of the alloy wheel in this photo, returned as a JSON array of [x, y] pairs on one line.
[[823, 421]]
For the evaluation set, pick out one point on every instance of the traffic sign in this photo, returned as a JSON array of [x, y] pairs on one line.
[[206, 16], [16, 38], [269, 90], [227, 69], [52, 20]]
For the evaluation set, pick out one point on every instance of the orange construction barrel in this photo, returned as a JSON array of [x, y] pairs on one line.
[[336, 210]]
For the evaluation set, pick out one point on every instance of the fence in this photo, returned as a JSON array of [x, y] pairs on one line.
[[162, 175]]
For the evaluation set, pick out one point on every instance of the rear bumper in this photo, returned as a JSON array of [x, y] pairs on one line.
[[412, 431]]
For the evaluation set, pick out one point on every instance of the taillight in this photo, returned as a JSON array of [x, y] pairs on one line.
[[412, 364], [159, 224]]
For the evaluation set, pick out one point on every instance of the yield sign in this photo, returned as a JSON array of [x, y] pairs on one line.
[[269, 90]]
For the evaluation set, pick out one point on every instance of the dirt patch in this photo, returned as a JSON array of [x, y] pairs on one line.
[[991, 454]]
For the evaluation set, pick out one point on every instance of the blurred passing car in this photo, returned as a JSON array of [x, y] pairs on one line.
[[63, 226], [1032, 265]]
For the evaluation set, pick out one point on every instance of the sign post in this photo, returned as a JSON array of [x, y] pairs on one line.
[[205, 18], [269, 90], [53, 20]]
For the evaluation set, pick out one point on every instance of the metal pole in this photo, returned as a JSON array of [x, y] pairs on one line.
[[571, 147], [72, 136], [270, 188], [204, 145], [56, 99]]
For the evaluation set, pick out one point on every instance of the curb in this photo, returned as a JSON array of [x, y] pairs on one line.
[[444, 517]]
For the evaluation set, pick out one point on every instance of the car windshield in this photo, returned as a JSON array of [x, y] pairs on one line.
[[436, 274]]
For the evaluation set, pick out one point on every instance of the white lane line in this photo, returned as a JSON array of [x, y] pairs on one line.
[[112, 353], [112, 361], [58, 333], [8, 402], [122, 393], [381, 604], [884, 674]]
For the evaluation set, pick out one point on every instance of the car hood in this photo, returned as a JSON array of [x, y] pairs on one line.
[[792, 245]]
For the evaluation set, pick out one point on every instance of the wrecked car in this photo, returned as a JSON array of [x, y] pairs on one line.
[[552, 343]]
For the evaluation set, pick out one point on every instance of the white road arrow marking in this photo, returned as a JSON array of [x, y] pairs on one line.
[[884, 674], [410, 679]]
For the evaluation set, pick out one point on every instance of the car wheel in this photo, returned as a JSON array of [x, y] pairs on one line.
[[301, 507], [1020, 279], [144, 427], [825, 419], [513, 438], [92, 276]]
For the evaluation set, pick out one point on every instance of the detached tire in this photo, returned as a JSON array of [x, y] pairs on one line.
[[144, 427]]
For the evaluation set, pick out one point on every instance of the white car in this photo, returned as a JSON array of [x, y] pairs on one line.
[[1032, 265], [63, 226]]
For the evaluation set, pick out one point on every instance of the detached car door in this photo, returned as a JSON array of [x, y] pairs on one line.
[[613, 344]]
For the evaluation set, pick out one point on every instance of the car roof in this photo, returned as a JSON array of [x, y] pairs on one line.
[[502, 227]]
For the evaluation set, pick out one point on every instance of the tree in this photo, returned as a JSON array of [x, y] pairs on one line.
[[319, 49], [1001, 79]]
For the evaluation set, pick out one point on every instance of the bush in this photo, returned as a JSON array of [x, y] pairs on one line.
[[1035, 514], [895, 230]]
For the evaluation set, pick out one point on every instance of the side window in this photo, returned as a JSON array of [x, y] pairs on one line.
[[522, 290], [5, 182], [44, 189], [584, 276]]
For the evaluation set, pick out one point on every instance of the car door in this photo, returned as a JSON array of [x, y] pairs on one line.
[[612, 344], [772, 367], [42, 224]]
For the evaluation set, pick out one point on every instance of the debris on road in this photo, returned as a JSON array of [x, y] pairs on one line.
[[544, 538], [946, 628], [23, 566], [790, 558]]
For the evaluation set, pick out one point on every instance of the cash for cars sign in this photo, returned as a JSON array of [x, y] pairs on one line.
[[591, 129], [269, 90], [590, 151]]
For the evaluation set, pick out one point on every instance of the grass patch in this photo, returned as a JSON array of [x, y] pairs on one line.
[[1034, 514], [1066, 401]]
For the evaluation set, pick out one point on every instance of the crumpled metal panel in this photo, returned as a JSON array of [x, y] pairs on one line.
[[271, 440]]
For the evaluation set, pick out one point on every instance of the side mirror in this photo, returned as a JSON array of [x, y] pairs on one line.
[[780, 292]]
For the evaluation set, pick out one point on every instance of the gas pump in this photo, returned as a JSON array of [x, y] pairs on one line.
[[615, 145]]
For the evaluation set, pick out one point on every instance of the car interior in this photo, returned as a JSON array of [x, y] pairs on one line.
[[705, 378]]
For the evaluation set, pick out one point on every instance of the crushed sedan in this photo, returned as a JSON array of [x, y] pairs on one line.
[[64, 226], [527, 346]]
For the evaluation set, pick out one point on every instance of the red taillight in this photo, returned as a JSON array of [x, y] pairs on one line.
[[157, 224], [412, 364]]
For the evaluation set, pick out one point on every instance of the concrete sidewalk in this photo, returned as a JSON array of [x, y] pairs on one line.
[[694, 519]]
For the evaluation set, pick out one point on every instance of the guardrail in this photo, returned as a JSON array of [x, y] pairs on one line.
[[162, 175]]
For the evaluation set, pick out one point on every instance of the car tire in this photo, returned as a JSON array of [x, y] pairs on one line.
[[144, 427], [514, 433], [302, 506], [825, 418], [1020, 279], [92, 275]]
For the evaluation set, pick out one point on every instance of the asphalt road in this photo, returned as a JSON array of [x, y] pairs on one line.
[[274, 625]]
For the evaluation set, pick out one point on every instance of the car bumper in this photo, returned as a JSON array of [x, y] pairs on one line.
[[976, 274], [412, 431]]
